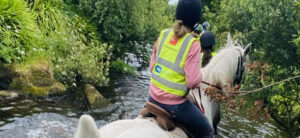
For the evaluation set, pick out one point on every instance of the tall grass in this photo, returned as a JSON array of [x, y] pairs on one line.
[[19, 33], [50, 29], [72, 43]]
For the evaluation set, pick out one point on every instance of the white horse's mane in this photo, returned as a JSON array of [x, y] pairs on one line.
[[222, 67]]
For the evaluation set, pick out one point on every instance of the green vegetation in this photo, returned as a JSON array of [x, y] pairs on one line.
[[119, 66], [81, 40], [73, 44], [297, 24], [58, 31], [273, 29], [16, 31], [128, 25], [50, 29]]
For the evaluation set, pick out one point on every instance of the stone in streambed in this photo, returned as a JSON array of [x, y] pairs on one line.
[[8, 95], [36, 79], [95, 99]]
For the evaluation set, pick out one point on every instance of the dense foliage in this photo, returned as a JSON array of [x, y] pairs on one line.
[[48, 29], [271, 27], [16, 27], [78, 37], [297, 24], [128, 25]]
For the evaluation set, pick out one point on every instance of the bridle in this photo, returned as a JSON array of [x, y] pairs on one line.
[[240, 69], [238, 74]]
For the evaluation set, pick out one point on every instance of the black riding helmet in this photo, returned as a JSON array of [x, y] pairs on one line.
[[189, 11], [207, 40]]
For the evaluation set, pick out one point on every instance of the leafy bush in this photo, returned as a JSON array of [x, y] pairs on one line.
[[128, 24], [50, 29], [271, 27], [119, 66], [281, 100], [19, 33], [72, 44], [297, 24]]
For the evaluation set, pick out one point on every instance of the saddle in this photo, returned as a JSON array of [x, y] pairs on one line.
[[163, 118]]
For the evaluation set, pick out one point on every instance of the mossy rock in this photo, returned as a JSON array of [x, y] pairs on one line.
[[41, 76], [38, 73], [8, 95], [36, 79], [95, 99], [57, 88]]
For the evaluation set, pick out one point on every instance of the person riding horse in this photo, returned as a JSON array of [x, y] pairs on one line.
[[175, 68], [207, 40], [228, 64]]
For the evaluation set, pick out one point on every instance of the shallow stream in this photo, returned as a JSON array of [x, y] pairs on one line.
[[55, 118]]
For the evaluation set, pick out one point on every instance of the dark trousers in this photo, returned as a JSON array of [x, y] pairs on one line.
[[190, 116]]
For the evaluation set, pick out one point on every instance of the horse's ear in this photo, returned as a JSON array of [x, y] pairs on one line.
[[229, 41], [247, 49]]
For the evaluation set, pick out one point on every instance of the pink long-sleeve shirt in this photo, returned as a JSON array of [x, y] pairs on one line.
[[192, 73]]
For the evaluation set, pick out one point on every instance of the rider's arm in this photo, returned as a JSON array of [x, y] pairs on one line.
[[153, 57], [192, 66]]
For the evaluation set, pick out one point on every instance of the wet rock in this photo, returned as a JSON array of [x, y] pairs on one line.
[[8, 95], [95, 99], [57, 88], [35, 79], [5, 76]]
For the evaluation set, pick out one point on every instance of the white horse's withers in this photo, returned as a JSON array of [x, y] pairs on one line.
[[223, 67]]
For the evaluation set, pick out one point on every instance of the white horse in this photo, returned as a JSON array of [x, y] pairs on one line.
[[226, 65], [225, 69]]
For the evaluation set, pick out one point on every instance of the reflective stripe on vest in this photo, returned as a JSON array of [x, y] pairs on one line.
[[168, 72]]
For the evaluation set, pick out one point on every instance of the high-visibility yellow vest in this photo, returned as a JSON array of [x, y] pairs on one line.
[[168, 71], [200, 34], [213, 54]]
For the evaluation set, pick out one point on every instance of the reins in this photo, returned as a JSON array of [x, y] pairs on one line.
[[200, 106], [237, 78], [218, 87], [258, 89], [270, 85]]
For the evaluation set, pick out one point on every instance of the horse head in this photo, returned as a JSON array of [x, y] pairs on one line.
[[227, 67]]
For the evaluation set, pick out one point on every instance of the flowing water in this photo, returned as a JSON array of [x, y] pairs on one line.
[[56, 118]]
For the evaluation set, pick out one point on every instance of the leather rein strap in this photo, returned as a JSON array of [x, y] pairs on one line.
[[218, 87], [200, 105]]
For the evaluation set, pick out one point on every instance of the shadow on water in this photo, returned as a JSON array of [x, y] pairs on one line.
[[56, 117]]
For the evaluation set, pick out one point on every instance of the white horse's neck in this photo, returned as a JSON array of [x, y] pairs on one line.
[[220, 71], [222, 68]]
